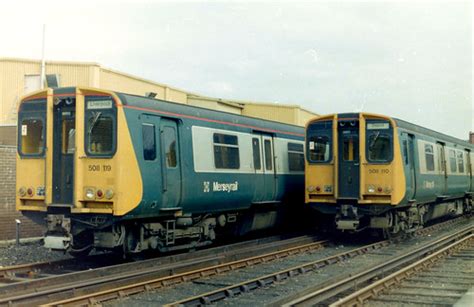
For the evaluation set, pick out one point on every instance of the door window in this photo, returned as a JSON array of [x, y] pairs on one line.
[[256, 153], [350, 148], [169, 134], [149, 142], [268, 155], [69, 136]]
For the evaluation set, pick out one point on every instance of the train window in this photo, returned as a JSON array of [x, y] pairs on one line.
[[350, 148], [460, 162], [226, 151], [452, 161], [405, 151], [295, 157], [256, 153], [379, 147], [319, 149], [69, 136], [32, 136], [149, 142], [268, 155], [429, 157], [169, 135], [100, 132]]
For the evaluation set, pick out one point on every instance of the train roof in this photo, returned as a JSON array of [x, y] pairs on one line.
[[194, 112]]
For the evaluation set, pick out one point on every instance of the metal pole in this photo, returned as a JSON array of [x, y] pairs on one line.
[[18, 226], [43, 64]]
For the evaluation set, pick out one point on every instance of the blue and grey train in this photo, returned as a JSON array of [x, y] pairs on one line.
[[371, 171], [109, 170]]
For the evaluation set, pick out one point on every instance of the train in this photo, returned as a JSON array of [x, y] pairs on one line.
[[370, 171], [112, 171]]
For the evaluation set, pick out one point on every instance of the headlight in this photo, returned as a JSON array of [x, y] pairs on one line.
[[310, 188], [109, 194], [22, 191], [90, 193], [371, 189]]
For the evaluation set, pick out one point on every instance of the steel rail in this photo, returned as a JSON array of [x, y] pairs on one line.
[[262, 281], [320, 295], [373, 290], [168, 276]]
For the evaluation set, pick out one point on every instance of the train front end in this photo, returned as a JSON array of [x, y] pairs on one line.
[[70, 170], [354, 169]]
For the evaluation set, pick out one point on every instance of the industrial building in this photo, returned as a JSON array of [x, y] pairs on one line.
[[22, 76]]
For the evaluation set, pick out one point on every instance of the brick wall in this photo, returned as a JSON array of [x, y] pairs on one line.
[[7, 199]]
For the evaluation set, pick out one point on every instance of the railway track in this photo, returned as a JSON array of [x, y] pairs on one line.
[[30, 284], [198, 275], [441, 278]]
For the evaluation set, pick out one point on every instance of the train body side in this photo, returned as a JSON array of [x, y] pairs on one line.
[[203, 187], [117, 171], [369, 170]]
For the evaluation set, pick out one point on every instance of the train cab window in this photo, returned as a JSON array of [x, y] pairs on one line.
[[319, 141], [169, 143], [32, 136], [460, 156], [429, 157], [100, 132], [226, 151], [319, 149], [452, 161], [295, 157], [268, 155], [149, 142], [379, 136], [256, 153]]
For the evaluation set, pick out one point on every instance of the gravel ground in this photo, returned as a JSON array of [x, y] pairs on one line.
[[275, 292], [28, 253]]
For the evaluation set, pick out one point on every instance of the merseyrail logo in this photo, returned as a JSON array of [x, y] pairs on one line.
[[220, 187]]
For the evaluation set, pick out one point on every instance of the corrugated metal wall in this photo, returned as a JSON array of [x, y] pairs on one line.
[[12, 87]]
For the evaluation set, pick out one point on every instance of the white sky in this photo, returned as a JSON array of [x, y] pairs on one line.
[[411, 60]]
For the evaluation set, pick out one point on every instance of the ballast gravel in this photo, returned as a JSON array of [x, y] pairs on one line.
[[28, 253]]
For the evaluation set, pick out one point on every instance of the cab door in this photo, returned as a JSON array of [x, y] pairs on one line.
[[64, 135], [348, 157], [171, 164]]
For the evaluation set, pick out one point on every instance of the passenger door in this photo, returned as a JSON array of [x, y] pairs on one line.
[[64, 135], [348, 157], [269, 169], [170, 161], [442, 167], [259, 182]]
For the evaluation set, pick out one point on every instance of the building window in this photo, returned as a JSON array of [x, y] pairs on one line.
[[256, 153], [226, 151], [32, 136], [460, 162], [149, 142], [452, 161], [295, 157], [429, 157], [268, 155]]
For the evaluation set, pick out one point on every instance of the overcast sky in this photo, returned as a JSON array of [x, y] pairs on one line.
[[407, 59]]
